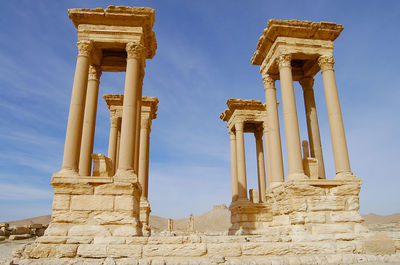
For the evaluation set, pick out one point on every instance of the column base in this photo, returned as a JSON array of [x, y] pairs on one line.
[[126, 175], [296, 176]]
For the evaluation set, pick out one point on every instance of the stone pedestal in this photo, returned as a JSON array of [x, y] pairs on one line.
[[144, 217]]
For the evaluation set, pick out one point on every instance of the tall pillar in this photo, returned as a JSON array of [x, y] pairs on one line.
[[118, 144], [138, 120], [267, 153], [339, 145], [293, 147], [73, 136], [234, 174], [314, 137], [241, 161], [89, 121], [129, 109], [260, 165], [112, 144], [273, 138], [143, 157]]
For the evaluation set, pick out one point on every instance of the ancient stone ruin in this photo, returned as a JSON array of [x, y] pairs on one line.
[[101, 216]]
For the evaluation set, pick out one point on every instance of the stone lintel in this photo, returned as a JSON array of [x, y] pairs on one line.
[[149, 105], [124, 20], [302, 29]]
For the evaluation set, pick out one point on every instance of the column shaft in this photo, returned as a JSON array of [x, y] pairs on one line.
[[314, 137], [293, 147], [241, 161], [73, 136], [89, 122], [129, 110], [234, 174], [339, 145], [118, 144], [144, 138], [138, 123], [267, 155], [260, 166], [112, 143], [273, 139]]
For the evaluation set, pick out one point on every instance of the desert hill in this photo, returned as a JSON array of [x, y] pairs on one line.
[[215, 220]]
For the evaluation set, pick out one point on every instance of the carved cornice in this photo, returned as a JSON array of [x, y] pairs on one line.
[[135, 50], [269, 82], [307, 82], [94, 72], [284, 60], [85, 48], [326, 62]]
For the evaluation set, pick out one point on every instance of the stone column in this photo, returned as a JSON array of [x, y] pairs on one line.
[[143, 157], [260, 165], [241, 161], [118, 144], [267, 153], [312, 124], [113, 141], [339, 145], [234, 175], [89, 121], [73, 136], [129, 109], [293, 147], [138, 120], [273, 137]]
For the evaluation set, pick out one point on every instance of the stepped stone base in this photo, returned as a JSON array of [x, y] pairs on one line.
[[206, 250]]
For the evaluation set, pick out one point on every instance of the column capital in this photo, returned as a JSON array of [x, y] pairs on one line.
[[85, 48], [284, 60], [269, 82], [239, 125], [307, 82], [94, 72], [326, 62], [232, 135], [134, 50]]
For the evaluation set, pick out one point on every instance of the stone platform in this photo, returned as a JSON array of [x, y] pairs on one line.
[[195, 249]]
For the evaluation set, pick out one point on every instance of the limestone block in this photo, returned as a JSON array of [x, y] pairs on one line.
[[224, 249], [21, 230], [124, 202], [88, 230], [72, 188], [379, 244], [2, 233], [42, 251], [360, 228], [106, 218], [323, 203], [262, 249], [2, 238], [52, 239], [307, 237], [127, 261], [113, 189], [35, 226], [331, 228], [345, 247], [136, 240], [126, 230], [346, 216], [345, 190], [315, 217], [57, 229], [156, 240], [66, 251], [312, 248], [102, 165], [76, 217], [79, 239], [120, 251], [175, 250], [4, 225], [310, 166], [253, 194], [294, 204], [61, 202], [92, 251], [109, 261], [345, 236], [108, 240], [297, 217], [19, 237], [92, 202], [352, 203], [40, 231], [280, 220], [302, 190]]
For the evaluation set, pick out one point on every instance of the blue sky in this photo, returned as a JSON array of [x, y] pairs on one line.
[[203, 58]]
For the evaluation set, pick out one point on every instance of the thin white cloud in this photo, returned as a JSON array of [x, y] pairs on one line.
[[12, 192]]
